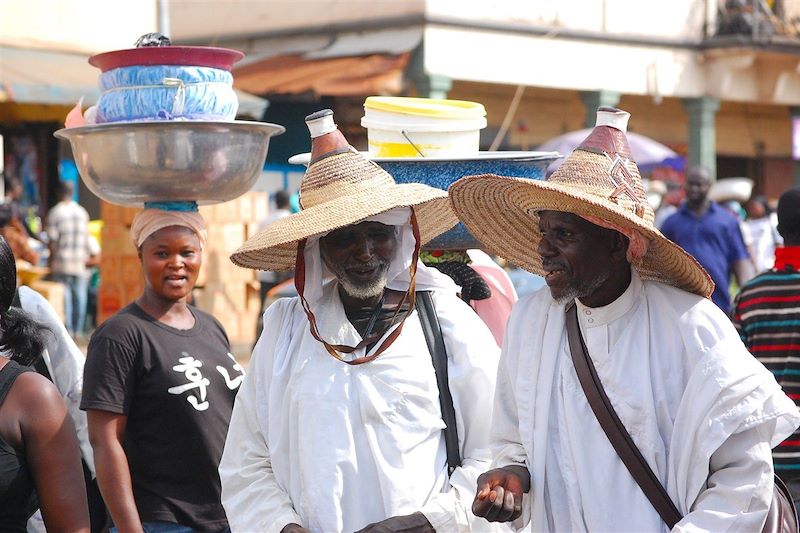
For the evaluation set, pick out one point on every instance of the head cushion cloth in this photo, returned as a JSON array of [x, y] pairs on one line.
[[150, 221]]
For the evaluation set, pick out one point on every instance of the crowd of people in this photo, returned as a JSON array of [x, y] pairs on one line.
[[410, 391], [64, 245]]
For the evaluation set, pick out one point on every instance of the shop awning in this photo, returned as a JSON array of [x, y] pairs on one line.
[[30, 76], [343, 64], [43, 77], [341, 76]]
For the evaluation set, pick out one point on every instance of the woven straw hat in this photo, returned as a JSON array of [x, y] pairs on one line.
[[339, 189], [598, 180]]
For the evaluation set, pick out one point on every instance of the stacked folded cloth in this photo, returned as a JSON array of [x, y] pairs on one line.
[[158, 81], [166, 92]]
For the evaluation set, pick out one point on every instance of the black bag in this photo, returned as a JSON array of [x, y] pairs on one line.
[[782, 515]]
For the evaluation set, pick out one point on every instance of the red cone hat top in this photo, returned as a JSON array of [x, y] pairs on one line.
[[608, 135], [602, 165], [326, 139]]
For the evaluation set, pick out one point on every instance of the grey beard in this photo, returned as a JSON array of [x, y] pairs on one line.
[[580, 291], [568, 296], [363, 292]]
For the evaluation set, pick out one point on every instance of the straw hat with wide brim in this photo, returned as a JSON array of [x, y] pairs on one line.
[[337, 191], [598, 180]]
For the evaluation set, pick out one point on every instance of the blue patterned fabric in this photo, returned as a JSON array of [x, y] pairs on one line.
[[166, 92]]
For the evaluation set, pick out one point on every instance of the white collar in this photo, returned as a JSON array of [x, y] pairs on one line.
[[601, 316]]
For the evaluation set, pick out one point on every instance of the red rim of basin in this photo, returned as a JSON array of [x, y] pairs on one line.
[[196, 56]]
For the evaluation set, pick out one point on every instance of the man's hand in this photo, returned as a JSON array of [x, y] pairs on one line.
[[499, 496], [294, 528], [412, 523]]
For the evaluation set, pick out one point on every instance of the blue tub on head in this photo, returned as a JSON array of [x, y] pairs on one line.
[[441, 173]]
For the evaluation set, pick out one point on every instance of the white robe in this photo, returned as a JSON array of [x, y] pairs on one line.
[[687, 390], [64, 361], [335, 447]]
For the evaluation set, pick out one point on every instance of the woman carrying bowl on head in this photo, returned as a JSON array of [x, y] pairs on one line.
[[39, 453], [159, 385]]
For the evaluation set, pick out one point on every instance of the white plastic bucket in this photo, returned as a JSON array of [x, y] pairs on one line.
[[422, 127]]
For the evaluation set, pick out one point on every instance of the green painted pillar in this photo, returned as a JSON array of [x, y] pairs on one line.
[[427, 85], [594, 99], [795, 114], [702, 113]]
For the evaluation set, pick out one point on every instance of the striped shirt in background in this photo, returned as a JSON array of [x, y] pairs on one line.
[[767, 316], [68, 230]]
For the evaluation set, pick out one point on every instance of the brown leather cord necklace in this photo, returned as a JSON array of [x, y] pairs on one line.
[[336, 350]]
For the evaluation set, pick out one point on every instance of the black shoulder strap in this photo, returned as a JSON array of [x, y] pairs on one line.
[[435, 340], [613, 427]]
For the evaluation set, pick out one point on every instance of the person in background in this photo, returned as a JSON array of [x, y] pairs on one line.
[[13, 194], [13, 232], [93, 285], [669, 204], [767, 316], [763, 228], [339, 425], [495, 309], [266, 278], [39, 453], [701, 410], [457, 265], [711, 235], [159, 385], [68, 233]]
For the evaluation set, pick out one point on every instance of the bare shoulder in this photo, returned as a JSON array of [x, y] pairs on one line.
[[36, 394]]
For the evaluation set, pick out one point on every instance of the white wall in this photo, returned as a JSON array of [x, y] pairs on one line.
[[673, 18], [213, 19], [82, 26]]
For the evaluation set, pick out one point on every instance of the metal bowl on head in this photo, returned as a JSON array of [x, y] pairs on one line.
[[129, 163]]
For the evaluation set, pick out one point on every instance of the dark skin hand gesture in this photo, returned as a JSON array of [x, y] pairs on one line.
[[412, 523], [499, 496]]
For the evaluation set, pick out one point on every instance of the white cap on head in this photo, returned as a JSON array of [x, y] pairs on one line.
[[611, 116]]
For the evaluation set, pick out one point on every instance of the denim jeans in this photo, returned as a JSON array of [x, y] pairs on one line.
[[76, 289], [168, 527]]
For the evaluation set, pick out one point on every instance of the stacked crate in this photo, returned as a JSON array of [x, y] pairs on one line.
[[228, 292]]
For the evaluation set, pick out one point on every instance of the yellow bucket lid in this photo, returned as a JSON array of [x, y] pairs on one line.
[[428, 107]]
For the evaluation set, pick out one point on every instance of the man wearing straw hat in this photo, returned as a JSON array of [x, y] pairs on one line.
[[338, 425], [702, 412]]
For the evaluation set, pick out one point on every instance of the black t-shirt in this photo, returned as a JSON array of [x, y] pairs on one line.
[[177, 389]]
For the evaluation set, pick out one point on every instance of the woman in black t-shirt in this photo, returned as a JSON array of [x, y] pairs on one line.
[[39, 453], [159, 385]]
